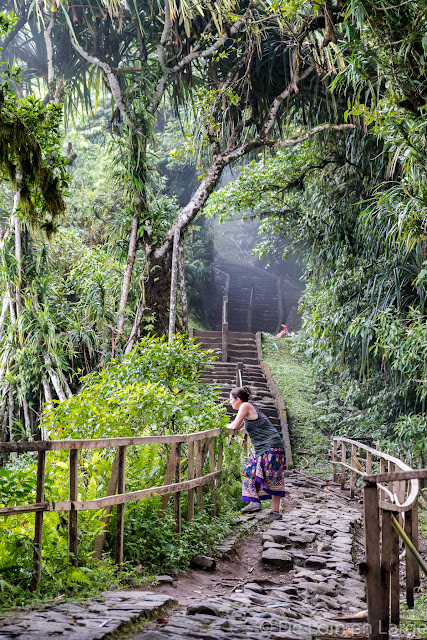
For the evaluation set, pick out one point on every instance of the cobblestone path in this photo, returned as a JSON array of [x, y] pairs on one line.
[[312, 579]]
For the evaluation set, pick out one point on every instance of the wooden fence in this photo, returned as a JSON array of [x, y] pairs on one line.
[[390, 500], [201, 448]]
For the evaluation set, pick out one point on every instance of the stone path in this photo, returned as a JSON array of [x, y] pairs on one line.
[[89, 620], [311, 578]]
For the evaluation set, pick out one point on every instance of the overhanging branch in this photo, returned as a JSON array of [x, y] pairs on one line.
[[209, 183]]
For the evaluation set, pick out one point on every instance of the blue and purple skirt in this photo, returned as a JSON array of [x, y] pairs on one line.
[[263, 476]]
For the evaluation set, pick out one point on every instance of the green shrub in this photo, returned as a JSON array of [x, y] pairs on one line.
[[156, 389]]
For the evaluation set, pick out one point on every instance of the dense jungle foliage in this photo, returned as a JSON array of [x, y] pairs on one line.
[[117, 121]]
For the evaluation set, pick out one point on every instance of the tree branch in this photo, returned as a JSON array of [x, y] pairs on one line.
[[169, 72], [209, 183], [112, 80]]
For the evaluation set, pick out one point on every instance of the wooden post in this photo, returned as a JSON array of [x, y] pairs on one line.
[[211, 449], [191, 477], [177, 495], [334, 459], [224, 332], [251, 308], [386, 543], [72, 516], [245, 445], [382, 470], [199, 468], [239, 374], [374, 592], [343, 460], [353, 473], [391, 470], [394, 577], [410, 573], [183, 288], [279, 304], [111, 490], [415, 542], [368, 462], [174, 274], [219, 462], [38, 529], [169, 476], [420, 466], [120, 514]]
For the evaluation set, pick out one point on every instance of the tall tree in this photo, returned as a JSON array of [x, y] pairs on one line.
[[245, 66]]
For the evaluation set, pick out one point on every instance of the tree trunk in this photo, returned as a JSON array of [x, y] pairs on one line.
[[11, 420], [133, 242], [3, 419], [183, 288], [15, 223], [67, 389], [27, 420], [5, 307], [12, 308], [157, 293], [47, 392], [136, 329], [174, 278], [54, 379]]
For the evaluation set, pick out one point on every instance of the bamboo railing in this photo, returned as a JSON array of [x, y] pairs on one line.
[[390, 501], [198, 453]]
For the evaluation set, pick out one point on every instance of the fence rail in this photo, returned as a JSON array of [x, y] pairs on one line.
[[390, 501], [198, 454]]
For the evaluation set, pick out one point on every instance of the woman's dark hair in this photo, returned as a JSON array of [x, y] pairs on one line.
[[244, 393]]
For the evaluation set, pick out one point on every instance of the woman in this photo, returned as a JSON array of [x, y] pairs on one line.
[[263, 476]]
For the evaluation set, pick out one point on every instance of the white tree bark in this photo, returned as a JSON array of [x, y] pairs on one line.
[[12, 308], [27, 420], [67, 389], [15, 224], [5, 307], [136, 329], [183, 288], [11, 406], [174, 278], [54, 379], [133, 241], [47, 392], [49, 50]]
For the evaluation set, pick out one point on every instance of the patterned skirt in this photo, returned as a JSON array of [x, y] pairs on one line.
[[263, 476]]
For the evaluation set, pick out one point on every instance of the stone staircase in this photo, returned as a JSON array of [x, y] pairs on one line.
[[242, 356], [258, 300]]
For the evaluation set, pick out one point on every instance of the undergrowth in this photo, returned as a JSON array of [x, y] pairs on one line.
[[296, 381]]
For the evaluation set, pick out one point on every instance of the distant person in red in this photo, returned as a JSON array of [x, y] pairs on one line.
[[263, 474], [284, 332]]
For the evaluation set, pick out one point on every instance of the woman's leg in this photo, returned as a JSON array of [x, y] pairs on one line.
[[275, 503]]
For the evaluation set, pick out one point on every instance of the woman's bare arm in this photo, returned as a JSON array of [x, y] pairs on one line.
[[241, 415]]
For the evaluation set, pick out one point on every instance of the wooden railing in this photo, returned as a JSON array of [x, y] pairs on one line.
[[251, 307], [390, 499], [198, 454], [224, 313], [224, 329]]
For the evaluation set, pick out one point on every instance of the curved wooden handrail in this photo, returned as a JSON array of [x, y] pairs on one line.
[[394, 504]]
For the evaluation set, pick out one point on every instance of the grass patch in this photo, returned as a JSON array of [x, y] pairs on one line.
[[296, 381]]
